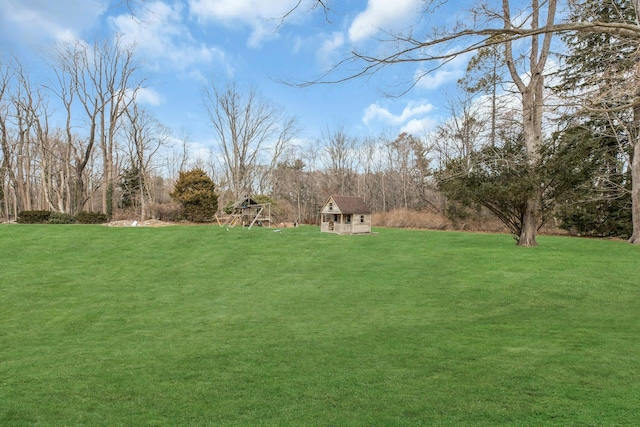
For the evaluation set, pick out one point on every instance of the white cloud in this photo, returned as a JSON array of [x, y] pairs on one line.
[[382, 14], [331, 44], [246, 10], [160, 34], [376, 113], [40, 21], [149, 96], [419, 126], [261, 16], [437, 79]]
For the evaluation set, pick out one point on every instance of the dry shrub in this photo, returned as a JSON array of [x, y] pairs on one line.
[[123, 214], [482, 222], [551, 228], [405, 218], [282, 211], [170, 212]]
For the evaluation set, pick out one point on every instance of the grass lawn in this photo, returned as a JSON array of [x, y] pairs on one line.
[[200, 326]]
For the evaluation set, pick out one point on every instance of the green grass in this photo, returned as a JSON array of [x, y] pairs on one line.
[[200, 326]]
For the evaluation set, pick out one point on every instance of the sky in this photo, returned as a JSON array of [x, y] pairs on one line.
[[187, 44]]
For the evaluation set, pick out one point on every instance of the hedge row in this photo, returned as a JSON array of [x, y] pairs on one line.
[[47, 217]]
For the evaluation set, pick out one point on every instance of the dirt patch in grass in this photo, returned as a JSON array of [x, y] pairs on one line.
[[134, 223]]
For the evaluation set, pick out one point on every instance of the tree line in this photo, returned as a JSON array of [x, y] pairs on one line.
[[525, 142], [599, 72], [112, 156]]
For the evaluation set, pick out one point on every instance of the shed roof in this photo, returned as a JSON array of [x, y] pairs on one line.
[[351, 204]]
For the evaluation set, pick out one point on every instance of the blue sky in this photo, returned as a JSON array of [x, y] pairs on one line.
[[185, 43]]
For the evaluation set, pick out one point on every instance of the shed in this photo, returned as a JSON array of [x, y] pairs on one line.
[[345, 215]]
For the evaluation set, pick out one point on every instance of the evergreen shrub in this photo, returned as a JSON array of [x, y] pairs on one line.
[[91, 218], [61, 218], [195, 192], [33, 217]]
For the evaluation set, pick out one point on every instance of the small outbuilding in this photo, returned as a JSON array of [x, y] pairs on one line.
[[345, 215]]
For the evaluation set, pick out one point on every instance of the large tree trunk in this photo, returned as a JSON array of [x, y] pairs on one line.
[[532, 104], [635, 192], [532, 131], [529, 224], [533, 139]]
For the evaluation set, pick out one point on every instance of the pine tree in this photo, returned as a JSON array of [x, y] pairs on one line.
[[601, 75]]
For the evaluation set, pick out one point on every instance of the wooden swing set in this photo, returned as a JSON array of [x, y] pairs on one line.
[[247, 212]]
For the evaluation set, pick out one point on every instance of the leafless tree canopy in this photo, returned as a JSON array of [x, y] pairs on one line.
[[248, 128], [105, 134], [489, 25]]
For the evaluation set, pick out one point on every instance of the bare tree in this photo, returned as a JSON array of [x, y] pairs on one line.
[[145, 136], [485, 76], [379, 169], [250, 130], [23, 123], [339, 159], [185, 137], [6, 170], [404, 171], [32, 119], [265, 176], [72, 155], [289, 183], [488, 27], [635, 173], [532, 94], [55, 158], [368, 188], [460, 135], [103, 78]]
